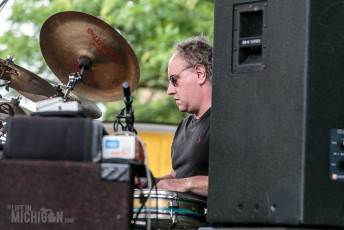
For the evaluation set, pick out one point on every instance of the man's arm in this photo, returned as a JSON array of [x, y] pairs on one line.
[[142, 182], [166, 177], [197, 185]]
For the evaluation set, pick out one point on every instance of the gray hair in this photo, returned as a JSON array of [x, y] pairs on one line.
[[196, 50]]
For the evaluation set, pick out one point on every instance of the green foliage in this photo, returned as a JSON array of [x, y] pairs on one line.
[[151, 27]]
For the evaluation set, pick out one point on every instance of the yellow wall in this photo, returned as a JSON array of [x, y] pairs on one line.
[[158, 147]]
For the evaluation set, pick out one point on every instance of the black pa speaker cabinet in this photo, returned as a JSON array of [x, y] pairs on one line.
[[276, 150]]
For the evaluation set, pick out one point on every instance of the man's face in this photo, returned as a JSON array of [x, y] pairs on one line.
[[183, 84]]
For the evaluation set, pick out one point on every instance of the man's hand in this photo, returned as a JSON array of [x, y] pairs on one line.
[[197, 185]]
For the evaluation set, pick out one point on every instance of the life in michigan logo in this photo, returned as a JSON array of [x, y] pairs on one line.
[[25, 214]]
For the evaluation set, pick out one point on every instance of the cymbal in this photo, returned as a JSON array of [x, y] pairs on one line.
[[10, 71], [25, 82], [68, 36], [88, 107], [35, 90]]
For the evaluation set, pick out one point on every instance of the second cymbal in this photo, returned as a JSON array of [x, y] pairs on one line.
[[68, 36], [10, 71], [25, 82], [89, 108]]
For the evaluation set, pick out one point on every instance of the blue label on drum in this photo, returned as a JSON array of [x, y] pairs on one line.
[[112, 144]]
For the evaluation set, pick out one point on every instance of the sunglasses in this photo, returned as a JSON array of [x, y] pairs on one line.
[[173, 79]]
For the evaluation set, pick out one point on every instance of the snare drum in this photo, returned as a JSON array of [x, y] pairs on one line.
[[168, 209]]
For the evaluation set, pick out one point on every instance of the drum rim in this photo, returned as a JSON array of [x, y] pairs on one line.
[[160, 193], [165, 219]]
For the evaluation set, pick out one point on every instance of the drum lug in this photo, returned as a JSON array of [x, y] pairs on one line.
[[173, 204]]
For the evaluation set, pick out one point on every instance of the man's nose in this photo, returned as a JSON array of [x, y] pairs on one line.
[[170, 89]]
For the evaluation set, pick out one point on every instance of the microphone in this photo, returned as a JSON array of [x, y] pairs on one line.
[[127, 98]]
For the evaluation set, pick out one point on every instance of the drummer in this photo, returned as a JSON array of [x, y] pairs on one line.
[[190, 85]]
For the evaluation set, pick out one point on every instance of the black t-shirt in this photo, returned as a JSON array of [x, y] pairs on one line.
[[190, 147]]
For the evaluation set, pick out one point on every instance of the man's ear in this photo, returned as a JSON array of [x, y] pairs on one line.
[[201, 74]]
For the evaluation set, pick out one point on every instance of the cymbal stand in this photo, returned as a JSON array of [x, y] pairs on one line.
[[84, 64], [73, 78]]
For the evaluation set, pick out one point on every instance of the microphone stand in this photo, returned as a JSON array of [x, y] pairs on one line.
[[127, 113]]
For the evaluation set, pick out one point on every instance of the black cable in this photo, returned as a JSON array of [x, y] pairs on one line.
[[156, 202], [144, 200]]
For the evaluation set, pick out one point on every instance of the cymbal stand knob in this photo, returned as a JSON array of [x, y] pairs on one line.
[[84, 64]]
